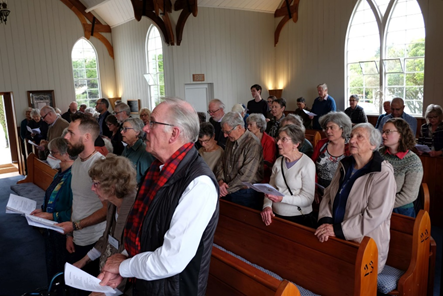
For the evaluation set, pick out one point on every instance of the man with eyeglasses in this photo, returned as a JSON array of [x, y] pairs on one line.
[[101, 106], [122, 112], [170, 230], [241, 162], [397, 111], [56, 126], [216, 110]]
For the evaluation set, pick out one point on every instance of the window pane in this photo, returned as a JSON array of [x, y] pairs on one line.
[[396, 79], [86, 74], [415, 65], [393, 66], [155, 66], [415, 79]]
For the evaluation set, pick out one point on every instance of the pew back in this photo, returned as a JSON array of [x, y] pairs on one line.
[[313, 136], [336, 267], [229, 275]]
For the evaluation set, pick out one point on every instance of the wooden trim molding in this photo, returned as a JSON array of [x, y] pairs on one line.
[[94, 27]]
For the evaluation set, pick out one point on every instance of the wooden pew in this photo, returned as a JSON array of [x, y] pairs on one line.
[[229, 275], [336, 267], [39, 173], [313, 136], [409, 249]]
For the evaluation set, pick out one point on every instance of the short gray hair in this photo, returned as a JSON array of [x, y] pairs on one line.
[[238, 108], [137, 124], [293, 119], [374, 134], [183, 117], [49, 108], [123, 107], [323, 86], [35, 112], [294, 132], [233, 119], [60, 144], [219, 102], [259, 120], [340, 119]]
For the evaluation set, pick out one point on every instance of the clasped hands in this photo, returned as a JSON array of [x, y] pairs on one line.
[[324, 231]]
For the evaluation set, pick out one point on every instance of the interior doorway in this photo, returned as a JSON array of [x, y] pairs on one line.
[[9, 152], [199, 95]]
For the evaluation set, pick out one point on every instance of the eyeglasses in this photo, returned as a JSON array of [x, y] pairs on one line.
[[153, 122], [212, 111], [432, 117], [283, 139], [52, 152], [396, 109], [204, 141], [45, 115], [352, 100], [332, 128], [229, 132], [125, 129], [116, 112], [387, 132], [109, 124], [96, 184]]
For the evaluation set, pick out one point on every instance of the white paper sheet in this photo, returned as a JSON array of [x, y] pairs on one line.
[[309, 113], [77, 278], [34, 130], [20, 205], [32, 143], [262, 187], [43, 223], [423, 148]]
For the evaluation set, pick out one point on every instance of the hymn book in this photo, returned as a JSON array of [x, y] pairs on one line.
[[20, 205]]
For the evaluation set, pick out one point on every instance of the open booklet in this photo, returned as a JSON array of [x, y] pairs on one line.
[[309, 113], [77, 278], [34, 130], [265, 188], [20, 205], [43, 223], [423, 148]]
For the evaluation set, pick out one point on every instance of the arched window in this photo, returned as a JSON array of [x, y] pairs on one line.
[[155, 76], [86, 73], [385, 54]]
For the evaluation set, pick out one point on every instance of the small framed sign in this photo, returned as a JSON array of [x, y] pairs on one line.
[[134, 105], [198, 77], [41, 98]]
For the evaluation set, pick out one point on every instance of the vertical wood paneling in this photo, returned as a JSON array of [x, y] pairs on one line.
[[36, 52], [232, 48]]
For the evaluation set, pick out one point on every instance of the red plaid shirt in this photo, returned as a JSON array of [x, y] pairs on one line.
[[153, 181]]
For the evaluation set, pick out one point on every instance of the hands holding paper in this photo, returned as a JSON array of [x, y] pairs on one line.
[[274, 198], [41, 214], [110, 275]]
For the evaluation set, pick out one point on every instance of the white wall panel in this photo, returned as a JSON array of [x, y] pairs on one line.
[[36, 52], [234, 49]]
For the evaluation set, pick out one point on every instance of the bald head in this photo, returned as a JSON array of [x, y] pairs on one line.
[[397, 107]]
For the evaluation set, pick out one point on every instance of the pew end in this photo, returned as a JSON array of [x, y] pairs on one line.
[[409, 250], [39, 173]]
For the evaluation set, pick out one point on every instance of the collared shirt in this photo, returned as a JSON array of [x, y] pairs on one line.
[[138, 155], [400, 155], [193, 213], [241, 162]]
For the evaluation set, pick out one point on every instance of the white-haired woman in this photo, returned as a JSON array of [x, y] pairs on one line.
[[431, 132], [133, 135], [256, 124], [361, 196]]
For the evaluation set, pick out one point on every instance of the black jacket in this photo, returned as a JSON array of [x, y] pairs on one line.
[[193, 279]]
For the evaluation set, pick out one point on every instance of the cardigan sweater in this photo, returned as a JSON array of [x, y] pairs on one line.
[[301, 179]]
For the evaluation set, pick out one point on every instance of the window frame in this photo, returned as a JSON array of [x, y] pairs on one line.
[[154, 78]]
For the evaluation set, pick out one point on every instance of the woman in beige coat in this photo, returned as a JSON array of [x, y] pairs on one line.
[[361, 196]]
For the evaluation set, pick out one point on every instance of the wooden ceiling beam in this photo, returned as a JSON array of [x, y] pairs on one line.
[[187, 7], [288, 10], [95, 28]]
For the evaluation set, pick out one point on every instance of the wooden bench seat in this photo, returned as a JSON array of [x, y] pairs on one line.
[[409, 250], [229, 275], [336, 267], [313, 136]]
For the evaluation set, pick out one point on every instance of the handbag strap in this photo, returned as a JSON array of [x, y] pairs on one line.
[[283, 173]]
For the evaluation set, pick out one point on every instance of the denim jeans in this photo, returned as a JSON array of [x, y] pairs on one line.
[[405, 211]]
